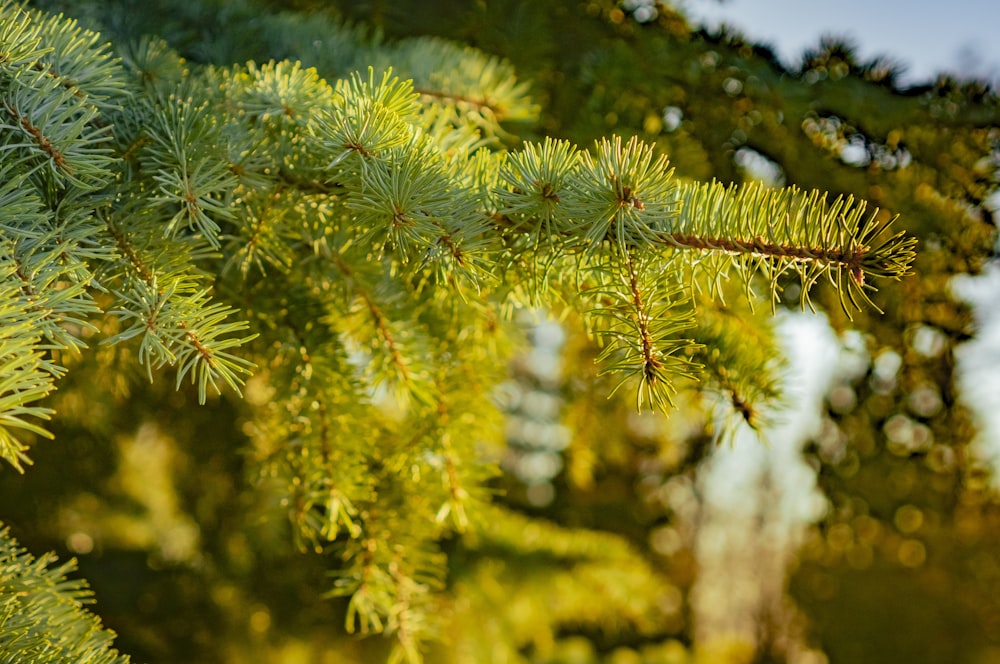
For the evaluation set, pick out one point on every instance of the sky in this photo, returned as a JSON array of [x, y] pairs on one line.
[[961, 37]]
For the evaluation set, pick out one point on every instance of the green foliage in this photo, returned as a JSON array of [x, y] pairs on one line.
[[342, 227], [398, 182], [42, 615]]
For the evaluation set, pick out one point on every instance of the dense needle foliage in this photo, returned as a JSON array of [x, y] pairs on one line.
[[329, 238]]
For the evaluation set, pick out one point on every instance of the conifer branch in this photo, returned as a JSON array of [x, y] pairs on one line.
[[638, 325], [485, 88], [43, 142], [175, 321], [378, 319], [847, 259], [739, 361], [52, 308], [482, 105], [42, 615], [772, 232], [25, 376]]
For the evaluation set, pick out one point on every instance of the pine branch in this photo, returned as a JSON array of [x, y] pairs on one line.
[[59, 137], [773, 232], [644, 313], [626, 199], [483, 90], [25, 376], [625, 202], [79, 60], [739, 361], [399, 351], [42, 615]]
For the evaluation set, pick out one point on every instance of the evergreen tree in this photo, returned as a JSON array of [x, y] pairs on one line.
[[337, 230]]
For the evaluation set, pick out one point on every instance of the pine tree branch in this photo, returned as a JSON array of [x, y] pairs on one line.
[[773, 232], [378, 319], [175, 321], [42, 615], [638, 318], [740, 361], [478, 104], [848, 259], [25, 376], [39, 139]]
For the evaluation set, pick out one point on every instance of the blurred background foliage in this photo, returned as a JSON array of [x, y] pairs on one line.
[[155, 496]]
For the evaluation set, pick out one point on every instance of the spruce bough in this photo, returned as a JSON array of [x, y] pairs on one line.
[[345, 241]]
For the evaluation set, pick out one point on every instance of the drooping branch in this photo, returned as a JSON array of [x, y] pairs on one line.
[[651, 364], [378, 318]]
